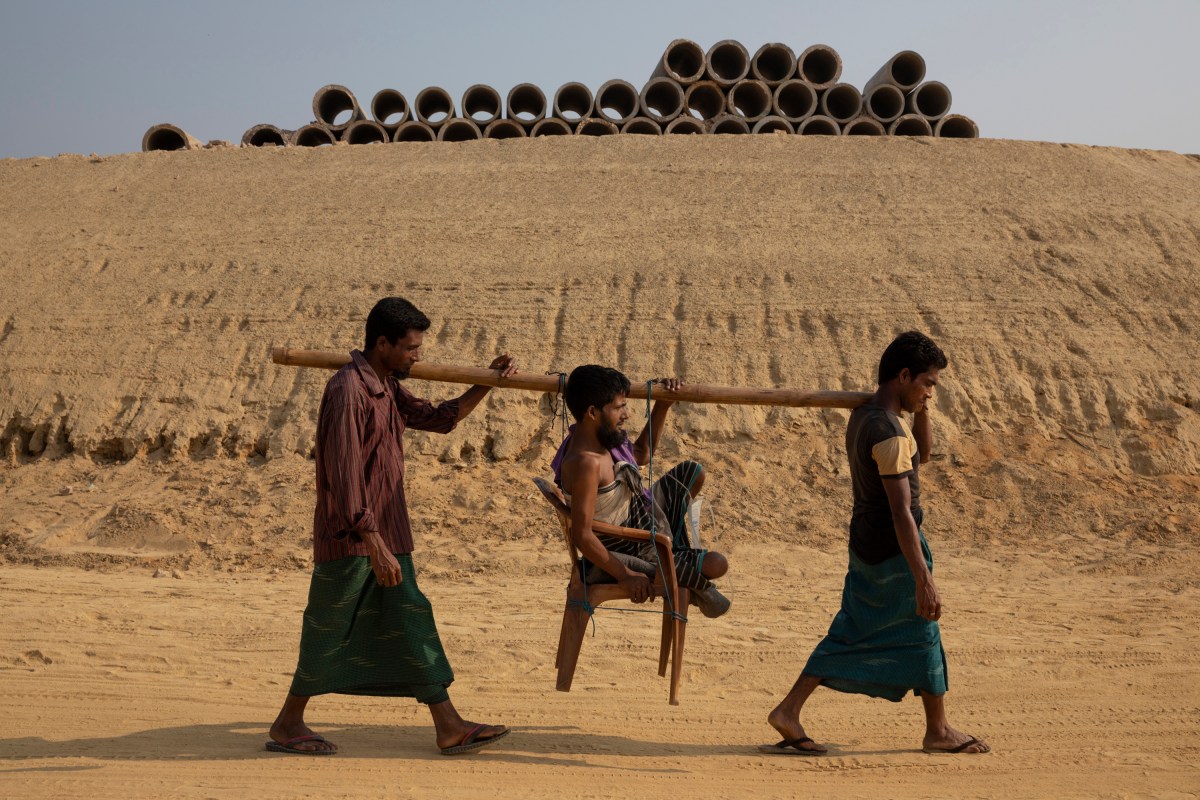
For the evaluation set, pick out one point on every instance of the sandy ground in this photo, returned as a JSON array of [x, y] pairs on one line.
[[118, 685], [143, 431]]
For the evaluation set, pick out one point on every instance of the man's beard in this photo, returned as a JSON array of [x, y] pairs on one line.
[[400, 374], [610, 437]]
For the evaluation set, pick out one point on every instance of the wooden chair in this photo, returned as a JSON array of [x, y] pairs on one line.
[[581, 599]]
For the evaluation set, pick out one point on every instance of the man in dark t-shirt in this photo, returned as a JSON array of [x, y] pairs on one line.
[[885, 640]]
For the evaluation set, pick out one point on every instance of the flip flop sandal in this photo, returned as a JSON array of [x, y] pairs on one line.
[[290, 746], [791, 747], [472, 741], [955, 750]]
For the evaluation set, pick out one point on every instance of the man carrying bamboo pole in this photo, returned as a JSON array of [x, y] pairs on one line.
[[597, 467], [368, 629], [885, 640]]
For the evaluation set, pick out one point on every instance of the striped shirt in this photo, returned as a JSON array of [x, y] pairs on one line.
[[360, 459]]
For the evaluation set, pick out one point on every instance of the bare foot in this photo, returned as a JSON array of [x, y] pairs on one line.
[[458, 733], [952, 741], [791, 730], [283, 733]]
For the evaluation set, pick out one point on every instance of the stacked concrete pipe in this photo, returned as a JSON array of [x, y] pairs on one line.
[[722, 90], [819, 65], [167, 137], [266, 136], [331, 102], [315, 134], [390, 109], [434, 107], [505, 129], [617, 101], [683, 62], [572, 102], [365, 131], [727, 62], [526, 105], [482, 103]]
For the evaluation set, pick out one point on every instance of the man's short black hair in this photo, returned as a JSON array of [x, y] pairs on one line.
[[912, 350], [593, 385], [392, 318]]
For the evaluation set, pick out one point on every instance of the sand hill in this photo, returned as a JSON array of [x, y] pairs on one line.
[[143, 427]]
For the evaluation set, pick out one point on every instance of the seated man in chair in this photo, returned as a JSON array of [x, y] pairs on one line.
[[597, 469]]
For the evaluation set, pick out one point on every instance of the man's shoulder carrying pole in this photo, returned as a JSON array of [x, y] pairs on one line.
[[690, 392]]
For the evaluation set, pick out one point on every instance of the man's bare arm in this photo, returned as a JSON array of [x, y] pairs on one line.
[[647, 440], [581, 480], [929, 601], [506, 364], [923, 433]]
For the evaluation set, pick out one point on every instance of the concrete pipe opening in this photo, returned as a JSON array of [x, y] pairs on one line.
[[551, 126], [795, 101], [434, 106], [682, 62], [864, 126], [841, 102], [773, 64], [264, 136], [573, 101], [526, 104], [911, 125], [684, 125], [365, 131], [661, 99], [884, 102], [728, 123], [596, 127], [931, 100], [390, 109], [167, 137], [820, 65], [504, 129], [750, 99], [314, 135], [956, 126], [413, 131], [818, 125], [642, 125], [772, 124], [617, 101], [482, 104], [336, 106], [459, 129], [904, 70], [727, 62], [704, 100]]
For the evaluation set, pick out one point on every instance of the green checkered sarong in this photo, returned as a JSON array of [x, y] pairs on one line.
[[362, 638], [877, 645]]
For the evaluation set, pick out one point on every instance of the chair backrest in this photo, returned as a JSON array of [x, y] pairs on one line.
[[556, 500]]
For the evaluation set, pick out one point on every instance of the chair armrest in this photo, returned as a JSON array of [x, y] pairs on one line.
[[630, 534]]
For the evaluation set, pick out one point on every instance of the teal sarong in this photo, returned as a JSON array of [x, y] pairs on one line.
[[877, 645], [365, 639]]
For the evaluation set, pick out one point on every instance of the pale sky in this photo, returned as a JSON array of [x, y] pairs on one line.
[[83, 77]]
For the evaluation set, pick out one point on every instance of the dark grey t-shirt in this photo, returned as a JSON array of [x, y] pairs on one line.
[[879, 446]]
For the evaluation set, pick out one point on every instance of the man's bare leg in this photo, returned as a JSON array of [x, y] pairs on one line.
[[785, 717], [290, 725], [938, 733], [451, 728]]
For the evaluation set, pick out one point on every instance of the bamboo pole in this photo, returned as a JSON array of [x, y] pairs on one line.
[[689, 392]]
